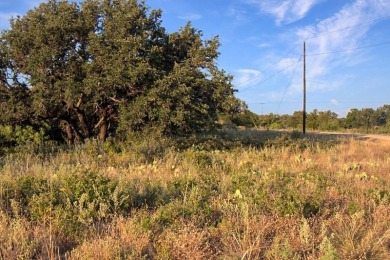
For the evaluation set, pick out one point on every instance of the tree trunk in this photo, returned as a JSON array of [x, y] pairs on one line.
[[103, 131], [103, 124], [69, 134], [68, 131], [77, 135], [81, 118], [83, 124]]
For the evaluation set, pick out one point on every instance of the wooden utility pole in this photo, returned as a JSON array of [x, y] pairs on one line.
[[304, 90]]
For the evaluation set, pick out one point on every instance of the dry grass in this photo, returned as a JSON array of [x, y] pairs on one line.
[[275, 202]]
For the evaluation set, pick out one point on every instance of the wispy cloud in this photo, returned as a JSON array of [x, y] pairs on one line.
[[331, 38], [287, 64], [343, 112], [246, 77], [191, 17], [237, 14], [334, 101], [264, 45], [285, 11]]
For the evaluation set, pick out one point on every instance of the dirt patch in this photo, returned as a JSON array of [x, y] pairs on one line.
[[385, 137]]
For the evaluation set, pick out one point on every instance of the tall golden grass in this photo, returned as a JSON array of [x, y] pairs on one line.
[[285, 200]]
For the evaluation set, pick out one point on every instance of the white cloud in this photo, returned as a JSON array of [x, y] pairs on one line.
[[247, 77], [264, 45], [350, 16], [237, 14], [320, 85], [190, 17], [322, 69], [334, 101], [325, 36], [343, 112], [287, 64], [285, 11]]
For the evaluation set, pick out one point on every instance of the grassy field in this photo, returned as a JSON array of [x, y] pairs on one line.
[[236, 194]]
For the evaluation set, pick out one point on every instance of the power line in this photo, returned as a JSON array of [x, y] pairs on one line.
[[269, 66], [288, 84], [349, 27], [270, 77], [317, 36], [351, 49], [314, 54]]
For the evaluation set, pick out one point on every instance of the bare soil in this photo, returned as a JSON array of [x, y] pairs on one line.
[[385, 137]]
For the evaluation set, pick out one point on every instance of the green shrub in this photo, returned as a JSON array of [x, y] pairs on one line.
[[281, 249], [22, 135], [327, 250], [21, 190]]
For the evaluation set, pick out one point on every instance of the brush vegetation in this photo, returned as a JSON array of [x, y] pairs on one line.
[[232, 194], [366, 120], [138, 180]]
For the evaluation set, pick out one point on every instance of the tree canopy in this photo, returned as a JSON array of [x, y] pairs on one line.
[[89, 69]]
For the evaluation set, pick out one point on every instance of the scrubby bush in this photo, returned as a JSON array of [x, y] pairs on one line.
[[285, 198]]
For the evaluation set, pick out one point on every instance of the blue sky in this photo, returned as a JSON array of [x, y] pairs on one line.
[[262, 46]]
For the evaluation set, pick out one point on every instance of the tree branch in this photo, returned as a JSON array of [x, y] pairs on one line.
[[117, 100], [99, 123], [80, 100]]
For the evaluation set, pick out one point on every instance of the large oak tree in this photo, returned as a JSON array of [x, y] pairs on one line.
[[91, 67]]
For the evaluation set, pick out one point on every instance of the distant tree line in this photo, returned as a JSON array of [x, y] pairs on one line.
[[363, 120], [75, 71]]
